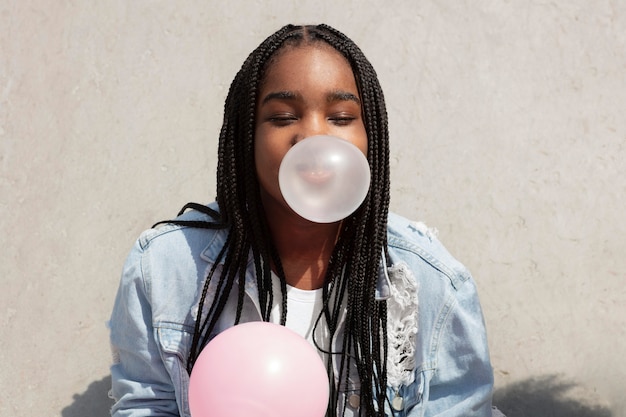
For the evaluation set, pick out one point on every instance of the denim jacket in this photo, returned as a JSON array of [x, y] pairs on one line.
[[435, 324]]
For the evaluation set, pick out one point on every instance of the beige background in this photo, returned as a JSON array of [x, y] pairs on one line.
[[508, 135]]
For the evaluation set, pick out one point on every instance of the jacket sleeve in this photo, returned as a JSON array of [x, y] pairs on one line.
[[141, 385], [463, 381]]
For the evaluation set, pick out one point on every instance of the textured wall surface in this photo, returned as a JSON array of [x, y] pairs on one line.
[[508, 135]]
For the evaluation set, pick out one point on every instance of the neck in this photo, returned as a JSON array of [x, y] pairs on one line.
[[304, 247]]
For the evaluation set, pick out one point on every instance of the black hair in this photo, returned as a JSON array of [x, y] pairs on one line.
[[353, 269]]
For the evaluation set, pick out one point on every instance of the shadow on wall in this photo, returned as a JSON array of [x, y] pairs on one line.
[[545, 396], [94, 402]]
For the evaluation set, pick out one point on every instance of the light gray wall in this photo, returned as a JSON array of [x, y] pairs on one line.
[[508, 135]]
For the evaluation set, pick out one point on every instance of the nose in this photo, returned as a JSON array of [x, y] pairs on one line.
[[313, 125]]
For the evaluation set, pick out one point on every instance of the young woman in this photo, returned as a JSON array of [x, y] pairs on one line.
[[396, 319]]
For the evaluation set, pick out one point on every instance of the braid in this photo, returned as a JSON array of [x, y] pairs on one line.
[[365, 329], [352, 272]]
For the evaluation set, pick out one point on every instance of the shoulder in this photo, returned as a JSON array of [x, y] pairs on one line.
[[184, 234], [417, 245]]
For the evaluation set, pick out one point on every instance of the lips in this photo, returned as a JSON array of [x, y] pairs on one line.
[[315, 175]]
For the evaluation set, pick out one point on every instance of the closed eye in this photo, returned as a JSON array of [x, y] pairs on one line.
[[282, 119], [342, 120]]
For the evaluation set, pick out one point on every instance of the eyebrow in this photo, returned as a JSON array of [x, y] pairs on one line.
[[339, 95], [333, 96], [280, 95]]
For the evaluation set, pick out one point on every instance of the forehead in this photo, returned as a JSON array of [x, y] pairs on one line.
[[295, 64]]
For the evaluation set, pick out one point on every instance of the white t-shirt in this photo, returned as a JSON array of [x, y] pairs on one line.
[[303, 309]]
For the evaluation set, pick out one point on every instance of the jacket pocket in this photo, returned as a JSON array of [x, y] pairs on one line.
[[174, 345]]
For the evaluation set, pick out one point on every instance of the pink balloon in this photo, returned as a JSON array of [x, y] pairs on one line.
[[258, 369]]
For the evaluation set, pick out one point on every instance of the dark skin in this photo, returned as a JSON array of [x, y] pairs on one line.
[[308, 90]]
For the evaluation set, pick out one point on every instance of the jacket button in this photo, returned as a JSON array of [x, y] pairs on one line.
[[354, 401], [397, 403]]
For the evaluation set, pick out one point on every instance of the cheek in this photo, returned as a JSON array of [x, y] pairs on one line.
[[268, 156], [266, 153], [262, 161], [363, 147], [361, 142]]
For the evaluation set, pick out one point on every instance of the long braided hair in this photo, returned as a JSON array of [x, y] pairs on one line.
[[353, 269]]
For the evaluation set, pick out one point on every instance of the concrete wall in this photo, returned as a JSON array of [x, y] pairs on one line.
[[508, 130]]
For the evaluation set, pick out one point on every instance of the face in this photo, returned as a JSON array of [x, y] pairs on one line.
[[307, 90]]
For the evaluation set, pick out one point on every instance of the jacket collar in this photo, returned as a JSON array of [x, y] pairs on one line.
[[218, 240]]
